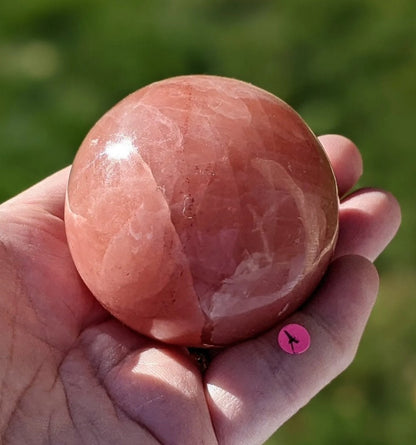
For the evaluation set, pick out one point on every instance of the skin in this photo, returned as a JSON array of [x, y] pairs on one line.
[[72, 374]]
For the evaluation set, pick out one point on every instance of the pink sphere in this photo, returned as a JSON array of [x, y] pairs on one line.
[[201, 210]]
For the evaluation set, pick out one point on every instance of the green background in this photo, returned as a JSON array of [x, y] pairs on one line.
[[346, 66]]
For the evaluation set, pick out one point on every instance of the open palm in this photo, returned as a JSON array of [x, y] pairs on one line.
[[71, 374]]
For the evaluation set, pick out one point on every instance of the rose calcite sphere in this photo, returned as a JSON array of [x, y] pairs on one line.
[[201, 210]]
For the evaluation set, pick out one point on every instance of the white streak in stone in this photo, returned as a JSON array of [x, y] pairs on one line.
[[285, 308]]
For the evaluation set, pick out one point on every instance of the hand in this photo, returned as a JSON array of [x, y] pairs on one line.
[[71, 374]]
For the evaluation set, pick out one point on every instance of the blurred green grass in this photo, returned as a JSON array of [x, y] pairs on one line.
[[347, 67]]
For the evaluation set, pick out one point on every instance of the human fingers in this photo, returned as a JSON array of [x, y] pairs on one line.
[[155, 385], [369, 218], [48, 194], [254, 387], [368, 221], [345, 159]]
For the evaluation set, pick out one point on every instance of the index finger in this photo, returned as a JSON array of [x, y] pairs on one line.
[[345, 160]]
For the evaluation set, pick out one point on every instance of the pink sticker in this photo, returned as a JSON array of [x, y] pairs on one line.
[[294, 339]]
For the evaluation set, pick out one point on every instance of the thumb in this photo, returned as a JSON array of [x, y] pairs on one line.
[[48, 195]]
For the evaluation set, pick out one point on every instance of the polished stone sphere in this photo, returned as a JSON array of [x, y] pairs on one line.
[[201, 210]]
